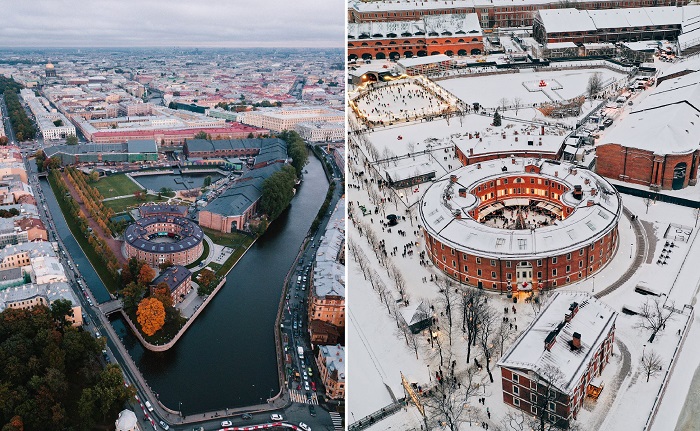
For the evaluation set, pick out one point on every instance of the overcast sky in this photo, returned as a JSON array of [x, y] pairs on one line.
[[192, 23]]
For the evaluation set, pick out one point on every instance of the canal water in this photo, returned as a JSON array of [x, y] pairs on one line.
[[227, 358], [93, 281], [176, 182]]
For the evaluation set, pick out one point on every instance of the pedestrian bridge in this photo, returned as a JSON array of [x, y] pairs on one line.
[[110, 307]]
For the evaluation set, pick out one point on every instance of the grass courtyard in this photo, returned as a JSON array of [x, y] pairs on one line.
[[116, 185], [125, 204]]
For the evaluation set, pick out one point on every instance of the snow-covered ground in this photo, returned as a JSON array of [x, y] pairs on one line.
[[400, 100], [489, 90], [381, 352]]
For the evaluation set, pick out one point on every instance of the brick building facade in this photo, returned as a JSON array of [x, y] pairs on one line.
[[458, 34], [547, 371], [581, 241], [490, 14], [658, 144]]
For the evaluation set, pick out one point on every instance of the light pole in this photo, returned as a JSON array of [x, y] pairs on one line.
[[631, 248], [593, 289], [180, 408]]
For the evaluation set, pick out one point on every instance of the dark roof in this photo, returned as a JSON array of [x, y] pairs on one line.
[[137, 235], [149, 210], [244, 193], [172, 276], [142, 146]]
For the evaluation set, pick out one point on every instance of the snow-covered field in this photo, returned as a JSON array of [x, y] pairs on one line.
[[489, 90], [400, 100]]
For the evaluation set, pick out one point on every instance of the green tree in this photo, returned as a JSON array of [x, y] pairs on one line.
[[94, 176], [277, 192], [132, 295], [60, 310], [497, 118], [207, 181]]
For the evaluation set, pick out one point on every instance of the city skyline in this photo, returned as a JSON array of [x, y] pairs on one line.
[[212, 23]]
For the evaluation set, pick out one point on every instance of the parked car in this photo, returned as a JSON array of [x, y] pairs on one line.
[[276, 417], [226, 423], [305, 427], [164, 425], [246, 416]]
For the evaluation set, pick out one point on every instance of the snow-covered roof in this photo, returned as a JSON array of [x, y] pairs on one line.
[[585, 224], [457, 25], [560, 45], [666, 122], [408, 168], [593, 321], [415, 313], [566, 20], [418, 61], [492, 141], [572, 20]]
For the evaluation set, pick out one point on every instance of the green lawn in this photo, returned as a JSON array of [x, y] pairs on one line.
[[232, 240], [116, 185], [121, 205]]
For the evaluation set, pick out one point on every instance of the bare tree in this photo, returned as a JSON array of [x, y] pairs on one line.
[[595, 84], [518, 103], [446, 404], [503, 335], [447, 301], [485, 336], [654, 317], [471, 304], [647, 202], [651, 363], [411, 147], [548, 379], [503, 102]]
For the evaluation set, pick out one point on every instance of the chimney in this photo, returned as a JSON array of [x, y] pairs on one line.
[[542, 131], [458, 214], [462, 192], [471, 151], [576, 341], [590, 203], [556, 174], [453, 178], [478, 165], [550, 340], [594, 192]]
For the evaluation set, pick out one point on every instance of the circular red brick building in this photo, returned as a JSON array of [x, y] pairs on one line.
[[161, 238], [514, 224]]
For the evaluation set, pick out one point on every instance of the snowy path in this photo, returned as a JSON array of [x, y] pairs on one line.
[[640, 257]]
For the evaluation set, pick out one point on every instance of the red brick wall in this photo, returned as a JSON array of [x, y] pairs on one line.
[[413, 45], [637, 166]]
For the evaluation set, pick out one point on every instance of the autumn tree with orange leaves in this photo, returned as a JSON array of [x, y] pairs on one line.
[[150, 315], [146, 275]]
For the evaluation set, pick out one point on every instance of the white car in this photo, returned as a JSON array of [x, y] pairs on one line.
[[306, 386], [305, 427], [164, 425], [275, 417], [226, 423]]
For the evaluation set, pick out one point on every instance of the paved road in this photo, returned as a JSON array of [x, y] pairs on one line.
[[639, 258]]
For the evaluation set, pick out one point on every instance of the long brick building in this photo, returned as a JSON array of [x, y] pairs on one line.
[[618, 25], [496, 13], [547, 371], [455, 34], [658, 143]]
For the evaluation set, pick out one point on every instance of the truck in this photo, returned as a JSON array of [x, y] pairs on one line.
[[300, 351]]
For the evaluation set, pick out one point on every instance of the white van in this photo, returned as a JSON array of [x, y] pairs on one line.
[[149, 406]]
